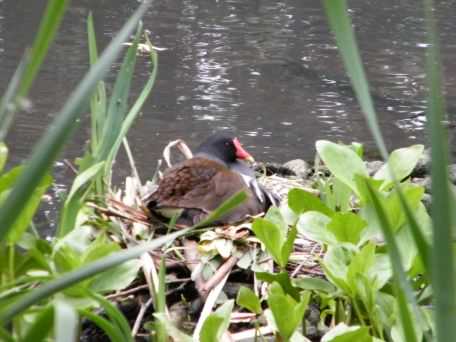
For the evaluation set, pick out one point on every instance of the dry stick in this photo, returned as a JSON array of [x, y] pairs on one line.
[[139, 318], [218, 276], [127, 292]]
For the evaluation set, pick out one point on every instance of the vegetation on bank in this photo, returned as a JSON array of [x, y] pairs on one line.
[[386, 265]]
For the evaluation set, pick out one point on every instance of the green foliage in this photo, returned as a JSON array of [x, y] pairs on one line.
[[287, 312], [216, 323], [248, 299]]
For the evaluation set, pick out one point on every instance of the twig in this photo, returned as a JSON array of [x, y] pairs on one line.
[[222, 271], [127, 292], [70, 166], [139, 318]]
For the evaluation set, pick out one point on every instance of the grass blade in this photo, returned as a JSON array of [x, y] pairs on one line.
[[442, 260], [48, 148], [224, 208], [111, 330], [41, 327], [115, 315], [83, 273], [46, 33], [403, 289], [8, 103], [340, 23], [134, 111]]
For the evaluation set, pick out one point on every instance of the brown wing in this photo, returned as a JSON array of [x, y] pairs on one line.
[[204, 184]]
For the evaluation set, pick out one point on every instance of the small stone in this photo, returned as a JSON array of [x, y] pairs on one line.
[[300, 167], [373, 166], [423, 166]]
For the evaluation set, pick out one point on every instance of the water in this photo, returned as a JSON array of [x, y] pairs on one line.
[[268, 70]]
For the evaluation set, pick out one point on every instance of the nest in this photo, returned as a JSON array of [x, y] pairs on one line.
[[210, 264]]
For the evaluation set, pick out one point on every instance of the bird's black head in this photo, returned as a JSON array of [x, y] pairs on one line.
[[223, 147]]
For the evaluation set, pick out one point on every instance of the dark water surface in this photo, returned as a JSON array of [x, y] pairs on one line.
[[268, 70]]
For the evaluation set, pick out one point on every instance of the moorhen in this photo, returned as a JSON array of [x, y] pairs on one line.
[[197, 186]]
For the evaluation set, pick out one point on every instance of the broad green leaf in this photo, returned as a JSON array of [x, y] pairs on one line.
[[66, 322], [74, 277], [216, 323], [345, 333], [272, 236], [314, 284], [346, 227], [301, 201], [288, 246], [313, 225], [335, 265], [29, 207], [117, 278], [342, 161], [3, 155], [249, 300], [283, 279], [402, 162], [287, 312]]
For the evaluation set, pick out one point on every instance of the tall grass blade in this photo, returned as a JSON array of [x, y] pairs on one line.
[[49, 146], [98, 100], [135, 110], [443, 281], [83, 273], [46, 33], [41, 327], [161, 335], [403, 289], [8, 103], [112, 330], [118, 102], [340, 23]]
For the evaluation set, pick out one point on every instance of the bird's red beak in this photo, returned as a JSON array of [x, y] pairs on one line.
[[240, 152]]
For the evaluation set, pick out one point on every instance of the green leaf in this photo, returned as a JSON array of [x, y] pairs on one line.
[[283, 279], [301, 201], [41, 326], [346, 227], [29, 207], [288, 246], [288, 313], [272, 236], [115, 315], [59, 132], [217, 323], [75, 199], [313, 225], [335, 265], [402, 162], [111, 330], [71, 278], [249, 300], [3, 155], [171, 329], [66, 322], [314, 284], [345, 333], [117, 278], [342, 161]]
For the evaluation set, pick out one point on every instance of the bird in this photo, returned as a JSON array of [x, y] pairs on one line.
[[195, 187]]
